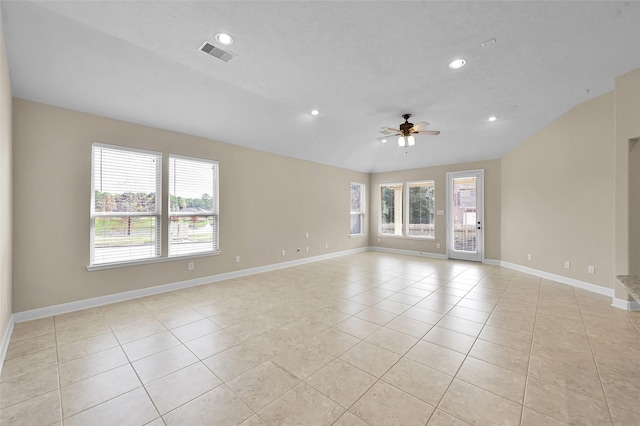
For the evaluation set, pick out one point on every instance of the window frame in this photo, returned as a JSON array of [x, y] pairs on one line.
[[214, 213], [408, 208], [157, 214], [380, 187], [361, 213]]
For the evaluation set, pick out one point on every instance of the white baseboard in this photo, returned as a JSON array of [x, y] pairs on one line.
[[149, 291], [492, 262], [6, 338], [627, 305], [408, 252], [594, 288]]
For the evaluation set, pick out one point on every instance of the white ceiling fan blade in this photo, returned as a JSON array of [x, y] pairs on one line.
[[427, 132], [420, 126], [389, 131]]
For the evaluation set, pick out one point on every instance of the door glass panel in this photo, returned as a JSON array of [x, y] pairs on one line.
[[465, 226]]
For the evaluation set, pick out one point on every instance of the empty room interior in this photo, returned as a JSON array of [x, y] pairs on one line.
[[319, 213]]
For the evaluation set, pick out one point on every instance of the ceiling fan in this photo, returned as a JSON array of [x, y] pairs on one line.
[[407, 130]]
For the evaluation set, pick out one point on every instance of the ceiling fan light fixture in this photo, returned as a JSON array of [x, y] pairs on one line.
[[401, 141], [493, 118], [224, 38], [383, 141], [457, 64], [411, 141], [315, 112]]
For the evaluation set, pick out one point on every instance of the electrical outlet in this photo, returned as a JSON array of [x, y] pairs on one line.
[[437, 245], [529, 256], [298, 249], [567, 264], [191, 266], [284, 252], [237, 259], [591, 269]]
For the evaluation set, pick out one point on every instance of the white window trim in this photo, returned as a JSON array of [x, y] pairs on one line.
[[215, 212], [408, 214], [380, 233], [93, 214], [363, 209]]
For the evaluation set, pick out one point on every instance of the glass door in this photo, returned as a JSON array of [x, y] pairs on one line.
[[464, 217]]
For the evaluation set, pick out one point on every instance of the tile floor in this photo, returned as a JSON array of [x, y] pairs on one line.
[[366, 339]]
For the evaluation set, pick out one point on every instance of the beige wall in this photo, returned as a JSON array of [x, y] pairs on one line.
[[5, 189], [492, 212], [627, 177], [267, 203], [558, 193]]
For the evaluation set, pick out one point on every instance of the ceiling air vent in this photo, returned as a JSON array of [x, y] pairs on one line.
[[216, 52]]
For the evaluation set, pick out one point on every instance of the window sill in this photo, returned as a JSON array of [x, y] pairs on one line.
[[102, 266], [357, 235], [405, 237]]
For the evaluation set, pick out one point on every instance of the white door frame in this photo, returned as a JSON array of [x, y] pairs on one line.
[[477, 256]]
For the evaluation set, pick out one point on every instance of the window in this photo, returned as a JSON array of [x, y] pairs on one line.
[[193, 206], [391, 209], [421, 209], [125, 212], [357, 208]]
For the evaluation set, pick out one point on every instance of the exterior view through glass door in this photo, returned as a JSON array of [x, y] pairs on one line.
[[465, 215]]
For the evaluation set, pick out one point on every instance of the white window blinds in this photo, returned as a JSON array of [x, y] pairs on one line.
[[193, 206], [125, 208]]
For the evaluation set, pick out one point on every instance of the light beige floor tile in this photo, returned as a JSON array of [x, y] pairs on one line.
[[449, 339], [219, 406], [468, 327], [129, 409], [341, 382], [301, 406], [505, 383], [162, 363], [90, 365], [566, 376], [349, 419], [385, 405], [144, 347], [627, 416], [440, 418], [194, 330], [376, 316], [565, 405], [502, 356], [28, 363], [409, 326], [477, 305], [28, 385], [440, 304], [392, 340], [31, 345], [370, 358], [35, 328], [253, 421], [40, 410], [477, 406], [392, 306], [97, 389], [418, 380], [176, 316], [349, 307], [210, 344], [236, 360], [423, 315], [469, 314], [437, 357], [357, 327], [328, 316], [136, 332], [81, 330], [533, 418], [86, 347], [302, 360], [334, 341], [516, 340], [262, 385], [179, 387], [621, 393]]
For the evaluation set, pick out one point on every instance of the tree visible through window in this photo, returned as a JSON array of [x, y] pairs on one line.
[[421, 209], [357, 208], [193, 206], [391, 209], [125, 214]]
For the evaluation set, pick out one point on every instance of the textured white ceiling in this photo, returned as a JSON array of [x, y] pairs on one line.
[[362, 64]]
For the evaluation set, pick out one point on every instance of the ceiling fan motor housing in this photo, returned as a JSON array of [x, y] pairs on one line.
[[405, 128]]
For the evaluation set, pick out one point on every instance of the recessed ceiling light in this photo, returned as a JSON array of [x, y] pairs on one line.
[[457, 64], [493, 118], [315, 112], [383, 141], [224, 38]]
